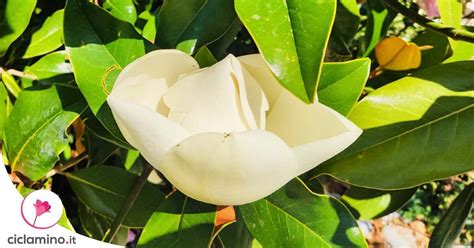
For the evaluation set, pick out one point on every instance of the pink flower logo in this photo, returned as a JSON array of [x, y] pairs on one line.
[[41, 207]]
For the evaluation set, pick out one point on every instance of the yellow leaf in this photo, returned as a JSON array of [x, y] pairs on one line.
[[397, 55]]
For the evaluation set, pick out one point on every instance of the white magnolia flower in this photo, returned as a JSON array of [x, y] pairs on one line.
[[228, 134]]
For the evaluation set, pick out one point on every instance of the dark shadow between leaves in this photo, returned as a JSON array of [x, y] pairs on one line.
[[5, 29]]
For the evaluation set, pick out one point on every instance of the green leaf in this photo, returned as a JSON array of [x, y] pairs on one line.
[[52, 68], [368, 204], [291, 38], [104, 188], [235, 235], [122, 9], [379, 19], [461, 51], [436, 55], [48, 38], [219, 47], [99, 46], [4, 102], [11, 84], [179, 222], [96, 226], [36, 130], [14, 18], [130, 158], [149, 30], [295, 217], [204, 57], [417, 129], [450, 226], [190, 24], [50, 65], [96, 128], [98, 149], [342, 83], [64, 222], [451, 15]]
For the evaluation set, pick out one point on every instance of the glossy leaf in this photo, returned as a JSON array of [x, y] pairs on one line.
[[451, 14], [10, 83], [235, 235], [51, 69], [220, 46], [50, 65], [292, 38], [368, 204], [416, 130], [205, 58], [379, 19], [122, 9], [104, 188], [179, 222], [14, 18], [94, 126], [149, 30], [64, 222], [295, 217], [131, 157], [461, 51], [342, 83], [190, 24], [48, 38], [450, 226], [441, 49], [98, 149], [99, 46], [96, 226], [36, 130]]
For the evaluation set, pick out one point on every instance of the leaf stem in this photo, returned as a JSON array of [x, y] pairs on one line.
[[19, 73], [60, 168], [456, 34], [128, 203]]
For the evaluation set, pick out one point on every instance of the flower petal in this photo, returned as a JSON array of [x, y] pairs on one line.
[[259, 70], [229, 169], [315, 132], [252, 97], [149, 132], [145, 80], [216, 99]]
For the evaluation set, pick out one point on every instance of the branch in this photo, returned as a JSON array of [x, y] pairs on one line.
[[19, 73], [60, 168], [456, 34], [128, 204]]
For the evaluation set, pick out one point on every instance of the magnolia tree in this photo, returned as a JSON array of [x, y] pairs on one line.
[[236, 123]]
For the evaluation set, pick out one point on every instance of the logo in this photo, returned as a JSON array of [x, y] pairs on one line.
[[41, 209]]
